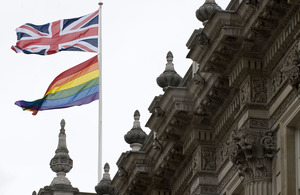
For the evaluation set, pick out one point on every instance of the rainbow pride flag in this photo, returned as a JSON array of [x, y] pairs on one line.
[[76, 86]]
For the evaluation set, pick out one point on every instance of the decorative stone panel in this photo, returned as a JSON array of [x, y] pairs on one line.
[[253, 90], [259, 90], [208, 158]]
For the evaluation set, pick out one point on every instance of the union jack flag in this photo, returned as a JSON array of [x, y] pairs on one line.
[[75, 34]]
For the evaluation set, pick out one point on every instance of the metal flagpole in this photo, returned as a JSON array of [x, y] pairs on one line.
[[100, 93]]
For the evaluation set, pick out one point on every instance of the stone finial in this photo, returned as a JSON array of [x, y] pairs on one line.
[[62, 124], [169, 65], [169, 78], [105, 187], [61, 163], [136, 136], [206, 11]]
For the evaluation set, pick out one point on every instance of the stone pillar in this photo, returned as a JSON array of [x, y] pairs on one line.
[[252, 151], [258, 187]]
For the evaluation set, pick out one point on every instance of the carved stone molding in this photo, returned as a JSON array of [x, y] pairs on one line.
[[258, 123], [276, 80], [252, 150], [122, 172], [202, 39], [285, 72], [198, 79], [156, 143], [197, 160], [245, 93], [292, 72], [223, 152], [208, 158], [158, 112], [283, 106]]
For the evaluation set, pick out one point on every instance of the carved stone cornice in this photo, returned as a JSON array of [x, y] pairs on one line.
[[134, 172], [139, 184], [218, 61], [252, 151], [216, 51], [158, 114], [285, 37], [198, 38], [175, 127], [267, 20], [213, 98], [257, 31], [166, 165], [173, 111]]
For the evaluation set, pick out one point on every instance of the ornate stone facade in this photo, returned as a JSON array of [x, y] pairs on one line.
[[232, 123]]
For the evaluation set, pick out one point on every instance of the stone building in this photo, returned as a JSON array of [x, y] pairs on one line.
[[230, 126]]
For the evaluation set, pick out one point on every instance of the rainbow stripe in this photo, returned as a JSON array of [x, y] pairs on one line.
[[76, 86]]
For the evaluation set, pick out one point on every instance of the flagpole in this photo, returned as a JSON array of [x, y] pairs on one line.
[[100, 92]]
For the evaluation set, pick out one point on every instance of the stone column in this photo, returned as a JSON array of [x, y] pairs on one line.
[[259, 186], [252, 151]]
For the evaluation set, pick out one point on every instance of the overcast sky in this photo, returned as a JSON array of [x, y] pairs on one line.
[[137, 34]]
